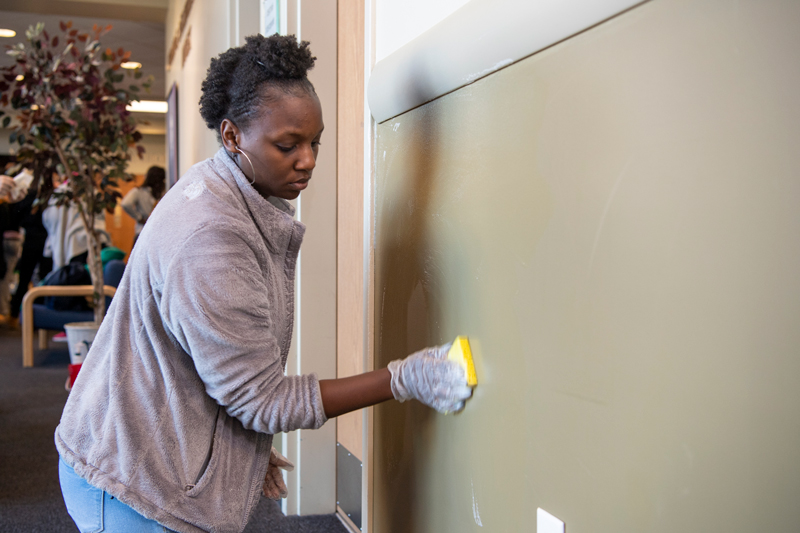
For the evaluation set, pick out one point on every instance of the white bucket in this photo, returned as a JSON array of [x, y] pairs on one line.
[[80, 336]]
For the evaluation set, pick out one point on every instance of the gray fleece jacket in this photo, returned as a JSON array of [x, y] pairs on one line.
[[174, 409]]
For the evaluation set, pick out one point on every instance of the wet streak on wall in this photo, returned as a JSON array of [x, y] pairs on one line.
[[614, 224]]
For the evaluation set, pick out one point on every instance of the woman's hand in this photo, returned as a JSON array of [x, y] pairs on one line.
[[274, 488], [6, 186], [428, 376]]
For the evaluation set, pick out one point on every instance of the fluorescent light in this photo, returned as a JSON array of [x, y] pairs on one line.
[[131, 65], [7, 33], [148, 106], [20, 77]]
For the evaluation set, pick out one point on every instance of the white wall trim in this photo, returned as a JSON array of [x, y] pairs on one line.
[[481, 37], [368, 354]]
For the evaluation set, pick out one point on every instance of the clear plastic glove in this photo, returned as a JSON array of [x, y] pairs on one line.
[[274, 488], [428, 376]]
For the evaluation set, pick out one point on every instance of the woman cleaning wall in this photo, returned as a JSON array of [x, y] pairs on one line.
[[170, 422]]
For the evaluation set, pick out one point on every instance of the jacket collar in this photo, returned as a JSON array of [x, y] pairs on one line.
[[274, 216]]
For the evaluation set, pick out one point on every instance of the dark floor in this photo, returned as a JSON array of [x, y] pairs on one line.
[[31, 400]]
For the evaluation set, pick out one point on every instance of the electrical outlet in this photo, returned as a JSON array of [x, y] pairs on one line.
[[547, 523]]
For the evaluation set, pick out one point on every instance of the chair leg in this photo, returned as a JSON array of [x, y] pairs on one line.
[[43, 336], [27, 342]]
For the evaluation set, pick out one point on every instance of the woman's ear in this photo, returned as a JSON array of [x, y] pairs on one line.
[[230, 135]]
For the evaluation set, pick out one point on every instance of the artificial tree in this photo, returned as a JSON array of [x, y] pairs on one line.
[[72, 113]]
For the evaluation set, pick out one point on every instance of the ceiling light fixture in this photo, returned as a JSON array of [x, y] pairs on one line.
[[19, 77], [131, 65], [7, 33], [148, 106]]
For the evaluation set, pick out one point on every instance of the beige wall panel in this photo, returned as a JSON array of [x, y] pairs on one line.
[[614, 222], [316, 207], [350, 219], [316, 275]]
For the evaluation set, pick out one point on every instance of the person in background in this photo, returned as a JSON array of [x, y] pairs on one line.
[[28, 213], [11, 241], [6, 186], [170, 421], [67, 241], [140, 201]]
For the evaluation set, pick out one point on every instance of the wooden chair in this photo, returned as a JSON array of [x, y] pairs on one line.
[[28, 324], [37, 316]]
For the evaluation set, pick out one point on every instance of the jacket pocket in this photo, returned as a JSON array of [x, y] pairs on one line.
[[206, 472]]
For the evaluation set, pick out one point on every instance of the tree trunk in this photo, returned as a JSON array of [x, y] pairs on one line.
[[96, 271], [95, 263]]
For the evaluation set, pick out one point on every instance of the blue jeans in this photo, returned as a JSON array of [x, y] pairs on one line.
[[95, 511]]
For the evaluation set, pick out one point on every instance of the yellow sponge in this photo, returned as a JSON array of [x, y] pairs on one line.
[[461, 354]]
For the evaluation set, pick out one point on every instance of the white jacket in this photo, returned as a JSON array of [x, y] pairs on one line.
[[139, 203], [66, 236]]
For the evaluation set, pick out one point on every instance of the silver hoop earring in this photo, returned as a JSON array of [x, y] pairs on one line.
[[248, 160]]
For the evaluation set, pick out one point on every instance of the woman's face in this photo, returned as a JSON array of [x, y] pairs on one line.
[[282, 144]]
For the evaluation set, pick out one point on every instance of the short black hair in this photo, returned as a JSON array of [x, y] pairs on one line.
[[235, 81], [156, 180]]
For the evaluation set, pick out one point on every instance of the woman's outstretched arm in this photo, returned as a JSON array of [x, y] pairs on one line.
[[427, 376], [340, 396]]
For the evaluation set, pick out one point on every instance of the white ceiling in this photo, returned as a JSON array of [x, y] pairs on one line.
[[141, 10], [145, 40], [138, 26]]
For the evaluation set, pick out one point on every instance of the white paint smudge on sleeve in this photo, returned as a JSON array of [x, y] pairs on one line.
[[194, 190]]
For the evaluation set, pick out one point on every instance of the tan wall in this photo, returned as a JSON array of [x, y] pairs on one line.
[[350, 209], [614, 223], [210, 35], [154, 155]]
